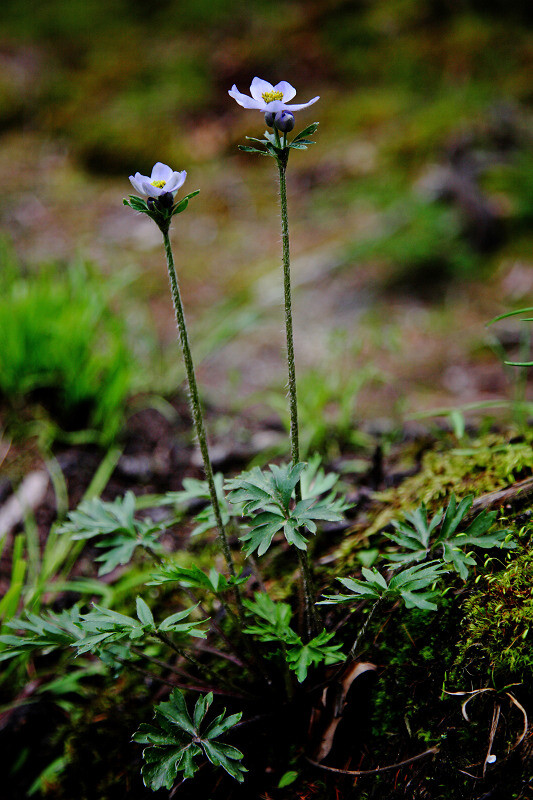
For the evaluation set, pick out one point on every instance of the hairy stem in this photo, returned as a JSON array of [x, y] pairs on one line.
[[197, 415], [305, 567], [293, 403], [362, 631]]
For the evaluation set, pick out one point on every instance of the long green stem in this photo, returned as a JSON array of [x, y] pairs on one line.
[[293, 403], [362, 631], [307, 579], [196, 411]]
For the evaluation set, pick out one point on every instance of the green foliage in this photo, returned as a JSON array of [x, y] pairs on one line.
[[423, 539], [273, 625], [176, 740], [195, 490], [497, 623], [195, 578], [115, 523], [103, 626], [272, 492], [160, 215], [278, 148], [490, 462], [317, 651], [406, 585], [92, 631], [46, 633], [61, 345]]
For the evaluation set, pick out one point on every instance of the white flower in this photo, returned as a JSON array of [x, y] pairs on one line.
[[161, 181], [266, 97]]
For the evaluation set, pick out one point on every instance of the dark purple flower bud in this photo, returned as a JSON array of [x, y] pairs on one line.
[[165, 200], [150, 202], [284, 121], [269, 118]]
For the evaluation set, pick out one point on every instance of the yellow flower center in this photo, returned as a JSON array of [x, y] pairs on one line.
[[158, 184], [268, 97]]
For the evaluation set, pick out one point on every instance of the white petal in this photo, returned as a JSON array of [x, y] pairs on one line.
[[286, 89], [259, 87], [136, 182], [149, 190], [298, 107], [243, 99], [160, 172], [176, 180], [274, 105]]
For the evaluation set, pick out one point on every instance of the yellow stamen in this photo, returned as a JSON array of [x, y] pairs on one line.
[[268, 97], [158, 184]]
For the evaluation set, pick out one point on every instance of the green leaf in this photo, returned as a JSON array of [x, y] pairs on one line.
[[260, 537], [307, 131], [527, 310], [194, 577], [162, 765], [226, 757], [175, 710], [402, 585], [293, 535], [454, 515], [247, 149], [201, 708], [175, 741], [317, 651], [173, 623], [274, 620], [418, 600], [183, 203], [422, 539], [272, 490], [118, 530], [220, 725], [287, 778], [144, 614]]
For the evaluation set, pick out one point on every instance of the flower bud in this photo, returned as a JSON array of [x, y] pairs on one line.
[[165, 200], [284, 121], [150, 202], [269, 118]]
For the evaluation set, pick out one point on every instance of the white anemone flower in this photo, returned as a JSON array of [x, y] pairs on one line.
[[266, 97], [161, 181]]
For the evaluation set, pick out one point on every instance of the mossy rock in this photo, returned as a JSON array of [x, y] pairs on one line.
[[497, 624]]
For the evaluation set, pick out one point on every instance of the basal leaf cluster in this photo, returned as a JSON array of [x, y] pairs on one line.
[[271, 492], [176, 740]]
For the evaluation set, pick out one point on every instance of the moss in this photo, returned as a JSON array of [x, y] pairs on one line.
[[490, 463], [416, 647], [497, 625]]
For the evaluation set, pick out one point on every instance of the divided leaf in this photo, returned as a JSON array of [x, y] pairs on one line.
[[300, 657], [274, 625], [120, 533], [422, 539], [195, 578], [271, 492], [103, 626], [406, 584], [176, 739]]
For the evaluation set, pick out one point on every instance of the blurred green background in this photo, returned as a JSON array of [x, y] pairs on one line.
[[410, 218]]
